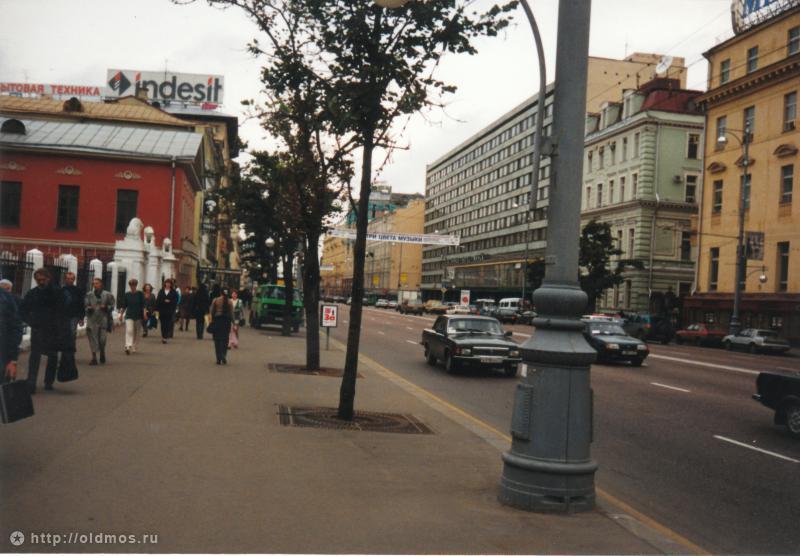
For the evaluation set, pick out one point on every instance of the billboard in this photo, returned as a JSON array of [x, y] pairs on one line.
[[191, 88], [749, 13], [55, 90], [419, 239]]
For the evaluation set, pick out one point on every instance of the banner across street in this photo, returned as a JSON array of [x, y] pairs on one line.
[[418, 239]]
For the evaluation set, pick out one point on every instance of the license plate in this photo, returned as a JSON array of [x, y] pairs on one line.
[[486, 359], [628, 353]]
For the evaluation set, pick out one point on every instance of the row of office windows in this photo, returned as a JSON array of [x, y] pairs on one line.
[[792, 47], [785, 189], [749, 118], [524, 124], [609, 156], [68, 206], [618, 191], [782, 268]]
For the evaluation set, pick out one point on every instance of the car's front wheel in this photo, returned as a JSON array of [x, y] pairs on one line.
[[727, 345], [450, 365], [637, 362], [793, 420], [753, 348], [511, 370]]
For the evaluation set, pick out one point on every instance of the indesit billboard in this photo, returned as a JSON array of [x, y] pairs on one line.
[[749, 13], [167, 86]]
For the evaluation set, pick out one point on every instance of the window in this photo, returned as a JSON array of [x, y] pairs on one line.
[[589, 197], [622, 190], [713, 270], [686, 246], [716, 205], [611, 192], [634, 185], [10, 198], [794, 40], [752, 59], [600, 195], [631, 242], [127, 200], [749, 122], [745, 183], [789, 111], [635, 145], [693, 148], [624, 149], [783, 266], [589, 161], [68, 196], [627, 294], [787, 179], [722, 126], [691, 188], [601, 157], [725, 71]]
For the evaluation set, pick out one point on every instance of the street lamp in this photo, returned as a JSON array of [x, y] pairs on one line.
[[549, 467], [269, 242], [741, 256], [527, 241]]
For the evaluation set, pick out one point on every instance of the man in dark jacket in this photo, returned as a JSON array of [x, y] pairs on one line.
[[42, 309], [10, 335], [166, 303], [199, 308], [74, 311]]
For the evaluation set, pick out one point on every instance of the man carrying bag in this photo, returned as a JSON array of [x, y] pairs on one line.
[[15, 397]]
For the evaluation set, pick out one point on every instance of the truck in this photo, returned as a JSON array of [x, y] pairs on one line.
[[404, 295], [268, 304]]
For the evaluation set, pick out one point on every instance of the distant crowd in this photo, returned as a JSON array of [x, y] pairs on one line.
[[54, 313]]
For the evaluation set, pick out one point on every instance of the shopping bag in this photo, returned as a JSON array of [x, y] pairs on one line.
[[67, 371], [15, 401]]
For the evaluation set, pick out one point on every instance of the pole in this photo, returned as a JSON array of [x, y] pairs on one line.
[[741, 256], [525, 264], [328, 338], [548, 467]]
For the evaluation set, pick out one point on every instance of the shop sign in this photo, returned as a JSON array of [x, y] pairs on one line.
[[167, 86]]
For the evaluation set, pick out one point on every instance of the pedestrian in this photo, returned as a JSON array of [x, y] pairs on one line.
[[238, 318], [99, 305], [10, 335], [166, 303], [184, 312], [133, 312], [150, 321], [74, 311], [199, 309], [221, 317], [42, 309]]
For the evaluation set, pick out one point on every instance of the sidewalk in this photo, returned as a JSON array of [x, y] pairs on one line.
[[164, 442]]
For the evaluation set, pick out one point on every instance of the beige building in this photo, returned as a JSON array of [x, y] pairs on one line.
[[390, 267], [754, 78]]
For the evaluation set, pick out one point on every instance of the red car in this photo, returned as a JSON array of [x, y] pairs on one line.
[[700, 334]]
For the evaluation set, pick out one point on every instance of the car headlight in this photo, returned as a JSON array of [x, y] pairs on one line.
[[464, 351], [612, 346], [641, 347], [513, 353]]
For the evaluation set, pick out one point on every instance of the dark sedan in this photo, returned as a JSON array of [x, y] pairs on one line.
[[613, 344], [465, 341], [780, 391]]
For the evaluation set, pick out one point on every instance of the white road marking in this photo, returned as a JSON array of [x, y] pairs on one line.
[[743, 445], [381, 332], [412, 342], [409, 328], [670, 387], [522, 335], [704, 364]]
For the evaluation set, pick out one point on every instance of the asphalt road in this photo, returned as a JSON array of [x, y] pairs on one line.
[[679, 439]]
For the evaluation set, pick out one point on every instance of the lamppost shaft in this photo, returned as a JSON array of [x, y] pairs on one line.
[[525, 264], [549, 467], [741, 255]]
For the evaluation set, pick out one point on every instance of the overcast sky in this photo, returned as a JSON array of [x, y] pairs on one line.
[[75, 41]]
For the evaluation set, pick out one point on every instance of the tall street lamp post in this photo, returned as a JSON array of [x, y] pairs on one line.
[[549, 468], [527, 242], [741, 255]]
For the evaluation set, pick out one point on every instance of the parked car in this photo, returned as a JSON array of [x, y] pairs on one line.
[[700, 334], [612, 343], [756, 340], [435, 307], [391, 304], [467, 341], [381, 304], [411, 307], [649, 327], [780, 391], [508, 310]]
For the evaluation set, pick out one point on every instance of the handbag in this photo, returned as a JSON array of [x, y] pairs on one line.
[[241, 322], [66, 373], [15, 401], [210, 327]]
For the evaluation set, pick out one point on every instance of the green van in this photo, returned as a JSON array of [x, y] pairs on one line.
[[267, 307]]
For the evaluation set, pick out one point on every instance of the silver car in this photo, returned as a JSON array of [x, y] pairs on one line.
[[756, 340]]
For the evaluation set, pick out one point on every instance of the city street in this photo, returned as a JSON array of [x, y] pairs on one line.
[[679, 439]]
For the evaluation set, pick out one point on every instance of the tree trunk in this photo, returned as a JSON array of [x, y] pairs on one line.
[[288, 269], [311, 301], [347, 392]]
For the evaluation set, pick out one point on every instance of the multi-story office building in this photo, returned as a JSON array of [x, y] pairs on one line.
[[754, 81], [480, 189], [642, 168]]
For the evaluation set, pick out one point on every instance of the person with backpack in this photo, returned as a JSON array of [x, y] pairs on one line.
[[132, 311]]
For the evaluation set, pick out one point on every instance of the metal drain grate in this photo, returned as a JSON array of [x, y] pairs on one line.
[[301, 370], [325, 418]]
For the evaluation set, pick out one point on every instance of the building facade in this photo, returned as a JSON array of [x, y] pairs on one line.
[[754, 81], [480, 189], [394, 267], [642, 173]]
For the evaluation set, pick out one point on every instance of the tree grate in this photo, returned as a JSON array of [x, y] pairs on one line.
[[301, 370], [325, 418]]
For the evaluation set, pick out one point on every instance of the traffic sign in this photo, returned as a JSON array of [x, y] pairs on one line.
[[329, 316], [465, 297]]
